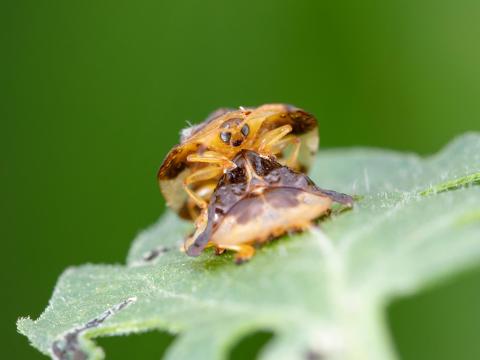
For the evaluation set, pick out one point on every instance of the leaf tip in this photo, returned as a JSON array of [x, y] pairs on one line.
[[24, 324]]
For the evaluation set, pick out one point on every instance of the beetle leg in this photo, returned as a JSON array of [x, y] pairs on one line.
[[219, 163], [207, 173], [212, 157], [269, 139], [292, 160], [244, 252], [205, 191], [201, 222], [219, 251]]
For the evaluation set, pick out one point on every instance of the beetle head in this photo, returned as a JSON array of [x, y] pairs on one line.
[[233, 132]]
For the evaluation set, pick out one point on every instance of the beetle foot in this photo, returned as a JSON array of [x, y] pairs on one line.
[[244, 253], [219, 251], [240, 260]]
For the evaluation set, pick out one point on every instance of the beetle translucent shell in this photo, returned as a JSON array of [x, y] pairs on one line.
[[259, 200], [192, 169]]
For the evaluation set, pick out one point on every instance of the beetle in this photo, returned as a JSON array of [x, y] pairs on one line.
[[258, 200], [192, 168]]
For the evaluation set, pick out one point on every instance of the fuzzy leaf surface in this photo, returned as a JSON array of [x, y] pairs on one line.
[[322, 293]]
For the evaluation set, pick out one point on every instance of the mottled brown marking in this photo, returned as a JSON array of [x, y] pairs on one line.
[[261, 165], [172, 165], [301, 121]]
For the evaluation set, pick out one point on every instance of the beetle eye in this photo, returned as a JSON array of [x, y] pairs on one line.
[[245, 130], [225, 136]]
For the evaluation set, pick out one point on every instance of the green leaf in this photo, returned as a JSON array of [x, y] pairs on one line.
[[322, 293]]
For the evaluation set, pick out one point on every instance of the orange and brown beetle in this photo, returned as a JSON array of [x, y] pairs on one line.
[[258, 200], [192, 168]]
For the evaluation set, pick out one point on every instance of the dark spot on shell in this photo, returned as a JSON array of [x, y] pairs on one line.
[[237, 175], [302, 122], [172, 172], [261, 165], [303, 168], [172, 165], [184, 212]]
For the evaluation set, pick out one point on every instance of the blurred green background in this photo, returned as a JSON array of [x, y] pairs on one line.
[[94, 93]]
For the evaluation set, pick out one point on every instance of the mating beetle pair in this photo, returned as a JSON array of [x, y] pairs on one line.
[[239, 176]]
